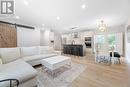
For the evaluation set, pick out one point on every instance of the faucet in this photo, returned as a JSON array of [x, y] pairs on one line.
[[73, 42]]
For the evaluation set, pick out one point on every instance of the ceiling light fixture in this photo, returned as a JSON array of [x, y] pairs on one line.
[[102, 26], [43, 24], [83, 6], [25, 2], [73, 28], [58, 18], [17, 17]]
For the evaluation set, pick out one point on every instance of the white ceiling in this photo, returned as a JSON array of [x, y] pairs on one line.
[[70, 13]]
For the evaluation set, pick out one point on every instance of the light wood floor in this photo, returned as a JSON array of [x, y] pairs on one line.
[[100, 75]]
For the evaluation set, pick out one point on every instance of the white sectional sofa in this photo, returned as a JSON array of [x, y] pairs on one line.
[[20, 70], [17, 64], [34, 55]]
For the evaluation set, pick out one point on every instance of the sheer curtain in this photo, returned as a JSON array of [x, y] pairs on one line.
[[119, 43], [101, 44]]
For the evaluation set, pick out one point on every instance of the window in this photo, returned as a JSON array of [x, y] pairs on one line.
[[111, 41], [106, 42]]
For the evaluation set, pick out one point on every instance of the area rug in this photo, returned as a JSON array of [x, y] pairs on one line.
[[63, 77]]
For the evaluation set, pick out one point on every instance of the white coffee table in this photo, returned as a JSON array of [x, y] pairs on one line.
[[53, 63]]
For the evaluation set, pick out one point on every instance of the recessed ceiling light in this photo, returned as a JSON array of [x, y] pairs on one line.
[[83, 6], [17, 17], [43, 24], [25, 2], [58, 18]]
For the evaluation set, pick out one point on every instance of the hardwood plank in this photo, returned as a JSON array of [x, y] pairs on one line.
[[100, 75]]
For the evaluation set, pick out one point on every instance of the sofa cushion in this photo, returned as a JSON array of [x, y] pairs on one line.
[[29, 51], [37, 57], [45, 50], [9, 54], [19, 70]]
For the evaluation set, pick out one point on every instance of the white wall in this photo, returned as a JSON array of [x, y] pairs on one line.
[[47, 35], [45, 38], [28, 37]]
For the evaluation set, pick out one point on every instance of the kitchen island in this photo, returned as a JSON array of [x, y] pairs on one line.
[[74, 49]]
